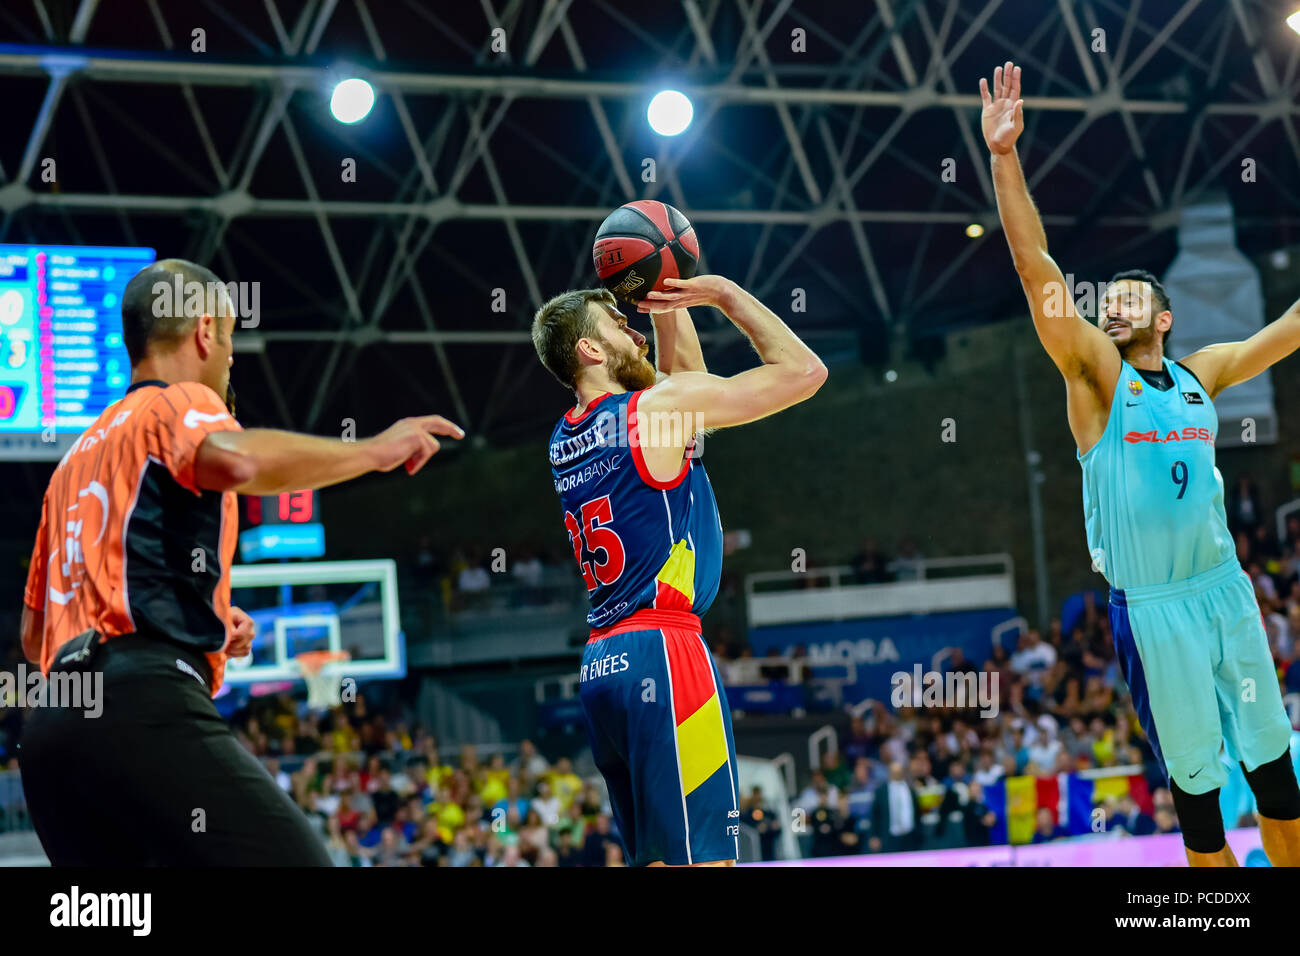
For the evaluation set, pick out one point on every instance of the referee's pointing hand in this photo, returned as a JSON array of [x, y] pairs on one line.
[[411, 442]]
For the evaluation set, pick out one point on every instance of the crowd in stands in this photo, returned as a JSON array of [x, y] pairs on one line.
[[1273, 564], [383, 794], [912, 778]]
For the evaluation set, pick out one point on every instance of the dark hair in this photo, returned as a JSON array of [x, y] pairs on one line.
[[1157, 291], [560, 323], [152, 312]]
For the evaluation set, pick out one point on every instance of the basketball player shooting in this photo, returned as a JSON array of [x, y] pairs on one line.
[[1187, 629], [645, 532], [116, 587]]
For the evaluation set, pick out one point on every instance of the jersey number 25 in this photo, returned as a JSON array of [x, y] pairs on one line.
[[593, 533]]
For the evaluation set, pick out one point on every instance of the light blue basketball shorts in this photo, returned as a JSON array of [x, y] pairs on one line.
[[1197, 661]]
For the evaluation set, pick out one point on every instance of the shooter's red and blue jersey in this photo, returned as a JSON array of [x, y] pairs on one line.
[[640, 543]]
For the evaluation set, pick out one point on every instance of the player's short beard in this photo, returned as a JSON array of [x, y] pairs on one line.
[[632, 372]]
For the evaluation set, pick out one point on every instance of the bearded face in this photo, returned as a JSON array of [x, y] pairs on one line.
[[629, 367]]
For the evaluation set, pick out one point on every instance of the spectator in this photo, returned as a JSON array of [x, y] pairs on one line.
[[529, 765], [1034, 658], [282, 779], [896, 814], [760, 818], [384, 798], [594, 849], [859, 743], [473, 579], [565, 784], [837, 775], [870, 566], [533, 832], [566, 853], [987, 772], [818, 789], [1131, 819], [909, 565], [828, 827], [546, 805], [461, 852], [432, 849], [977, 819], [1045, 827], [337, 845], [1243, 506], [512, 802]]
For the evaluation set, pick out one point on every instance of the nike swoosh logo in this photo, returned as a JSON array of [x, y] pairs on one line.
[[194, 416], [1191, 775], [1131, 404]]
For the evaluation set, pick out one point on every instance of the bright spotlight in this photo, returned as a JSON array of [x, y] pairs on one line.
[[1293, 21], [974, 230], [670, 112], [352, 100], [891, 376]]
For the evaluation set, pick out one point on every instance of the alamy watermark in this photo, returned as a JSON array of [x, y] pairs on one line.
[[193, 299], [948, 689], [74, 690], [653, 429]]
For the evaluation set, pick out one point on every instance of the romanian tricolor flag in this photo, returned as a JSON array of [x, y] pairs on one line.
[[1088, 793], [1070, 797]]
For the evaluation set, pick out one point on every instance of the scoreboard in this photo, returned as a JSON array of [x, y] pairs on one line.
[[62, 361], [281, 526]]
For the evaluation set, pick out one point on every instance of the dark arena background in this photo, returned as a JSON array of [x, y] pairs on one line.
[[920, 516]]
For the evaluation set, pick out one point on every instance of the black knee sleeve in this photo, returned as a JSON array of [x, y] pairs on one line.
[[1277, 796], [1200, 820]]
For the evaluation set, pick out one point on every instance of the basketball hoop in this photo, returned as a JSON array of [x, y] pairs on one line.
[[323, 683]]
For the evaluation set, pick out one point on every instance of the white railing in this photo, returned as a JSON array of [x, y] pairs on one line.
[[925, 568], [823, 735], [749, 670], [830, 593], [784, 764]]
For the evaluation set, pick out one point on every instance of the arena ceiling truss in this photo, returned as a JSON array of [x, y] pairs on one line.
[[816, 161]]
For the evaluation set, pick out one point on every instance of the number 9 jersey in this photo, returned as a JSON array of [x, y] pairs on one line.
[[639, 542], [1152, 496]]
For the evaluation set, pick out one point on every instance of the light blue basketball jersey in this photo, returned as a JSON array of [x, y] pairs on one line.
[[1152, 496]]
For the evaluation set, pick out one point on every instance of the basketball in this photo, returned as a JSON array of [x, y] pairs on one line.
[[642, 243]]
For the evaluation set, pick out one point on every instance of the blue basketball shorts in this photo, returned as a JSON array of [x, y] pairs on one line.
[[1196, 658], [660, 733]]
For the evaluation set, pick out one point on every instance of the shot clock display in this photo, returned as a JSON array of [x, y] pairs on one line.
[[288, 507], [281, 526]]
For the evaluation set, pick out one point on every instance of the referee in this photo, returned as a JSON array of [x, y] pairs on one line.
[[130, 578]]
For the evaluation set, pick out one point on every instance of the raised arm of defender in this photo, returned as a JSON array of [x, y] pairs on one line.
[[1230, 363], [1082, 352]]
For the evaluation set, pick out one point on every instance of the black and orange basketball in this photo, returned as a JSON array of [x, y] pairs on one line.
[[642, 243]]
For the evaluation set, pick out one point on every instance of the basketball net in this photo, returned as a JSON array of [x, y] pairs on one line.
[[323, 683]]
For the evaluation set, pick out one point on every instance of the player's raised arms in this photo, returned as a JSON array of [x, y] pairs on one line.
[[791, 372], [677, 344], [1230, 363], [1078, 347]]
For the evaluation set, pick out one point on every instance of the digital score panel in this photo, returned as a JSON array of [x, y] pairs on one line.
[[62, 361], [281, 526], [289, 507]]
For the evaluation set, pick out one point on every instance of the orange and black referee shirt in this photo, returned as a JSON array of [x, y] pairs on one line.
[[128, 543]]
